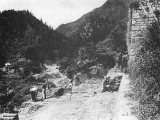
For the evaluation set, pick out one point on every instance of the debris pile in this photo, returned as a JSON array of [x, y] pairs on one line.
[[111, 83]]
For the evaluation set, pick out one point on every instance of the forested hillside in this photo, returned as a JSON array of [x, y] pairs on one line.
[[26, 43], [23, 35], [96, 25]]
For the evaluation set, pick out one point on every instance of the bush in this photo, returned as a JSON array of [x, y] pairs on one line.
[[64, 63], [144, 72], [18, 99], [37, 70], [33, 79], [157, 13], [134, 5]]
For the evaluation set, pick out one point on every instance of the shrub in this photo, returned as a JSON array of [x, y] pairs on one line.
[[134, 5], [26, 91], [64, 63], [18, 99], [157, 13], [37, 70], [98, 70], [33, 79], [145, 73]]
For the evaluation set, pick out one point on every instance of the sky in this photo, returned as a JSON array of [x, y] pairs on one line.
[[53, 12]]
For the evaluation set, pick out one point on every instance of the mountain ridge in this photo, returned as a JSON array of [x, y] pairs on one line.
[[112, 11]]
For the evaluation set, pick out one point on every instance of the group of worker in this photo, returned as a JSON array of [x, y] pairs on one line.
[[70, 76]]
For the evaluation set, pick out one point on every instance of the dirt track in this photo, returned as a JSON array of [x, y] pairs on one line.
[[82, 106], [86, 103]]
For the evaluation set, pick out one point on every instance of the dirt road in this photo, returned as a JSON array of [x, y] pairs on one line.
[[81, 106], [85, 103]]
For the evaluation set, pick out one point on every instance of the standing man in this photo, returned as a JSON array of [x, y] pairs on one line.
[[44, 92], [70, 77], [70, 86]]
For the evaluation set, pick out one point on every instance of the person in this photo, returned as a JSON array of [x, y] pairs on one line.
[[77, 78], [124, 62], [33, 94], [120, 60], [70, 85], [70, 77], [7, 66], [10, 107], [44, 92], [106, 84]]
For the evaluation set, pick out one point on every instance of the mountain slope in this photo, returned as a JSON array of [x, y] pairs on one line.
[[23, 35], [96, 25], [97, 36], [26, 43]]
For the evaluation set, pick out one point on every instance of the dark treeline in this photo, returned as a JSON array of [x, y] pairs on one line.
[[23, 35]]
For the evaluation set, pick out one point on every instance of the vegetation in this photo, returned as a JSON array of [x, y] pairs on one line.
[[145, 73], [104, 52], [96, 25], [157, 13], [21, 37], [134, 4], [97, 37], [116, 41], [26, 43]]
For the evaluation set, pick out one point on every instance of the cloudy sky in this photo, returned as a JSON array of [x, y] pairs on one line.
[[53, 12]]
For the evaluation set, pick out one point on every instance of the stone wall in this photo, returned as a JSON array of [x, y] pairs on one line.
[[138, 20]]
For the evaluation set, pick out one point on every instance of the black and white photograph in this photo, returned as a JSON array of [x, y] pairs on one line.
[[79, 59]]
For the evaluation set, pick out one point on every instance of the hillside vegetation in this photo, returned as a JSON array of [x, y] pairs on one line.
[[144, 72], [97, 37], [27, 43], [96, 25], [23, 35]]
